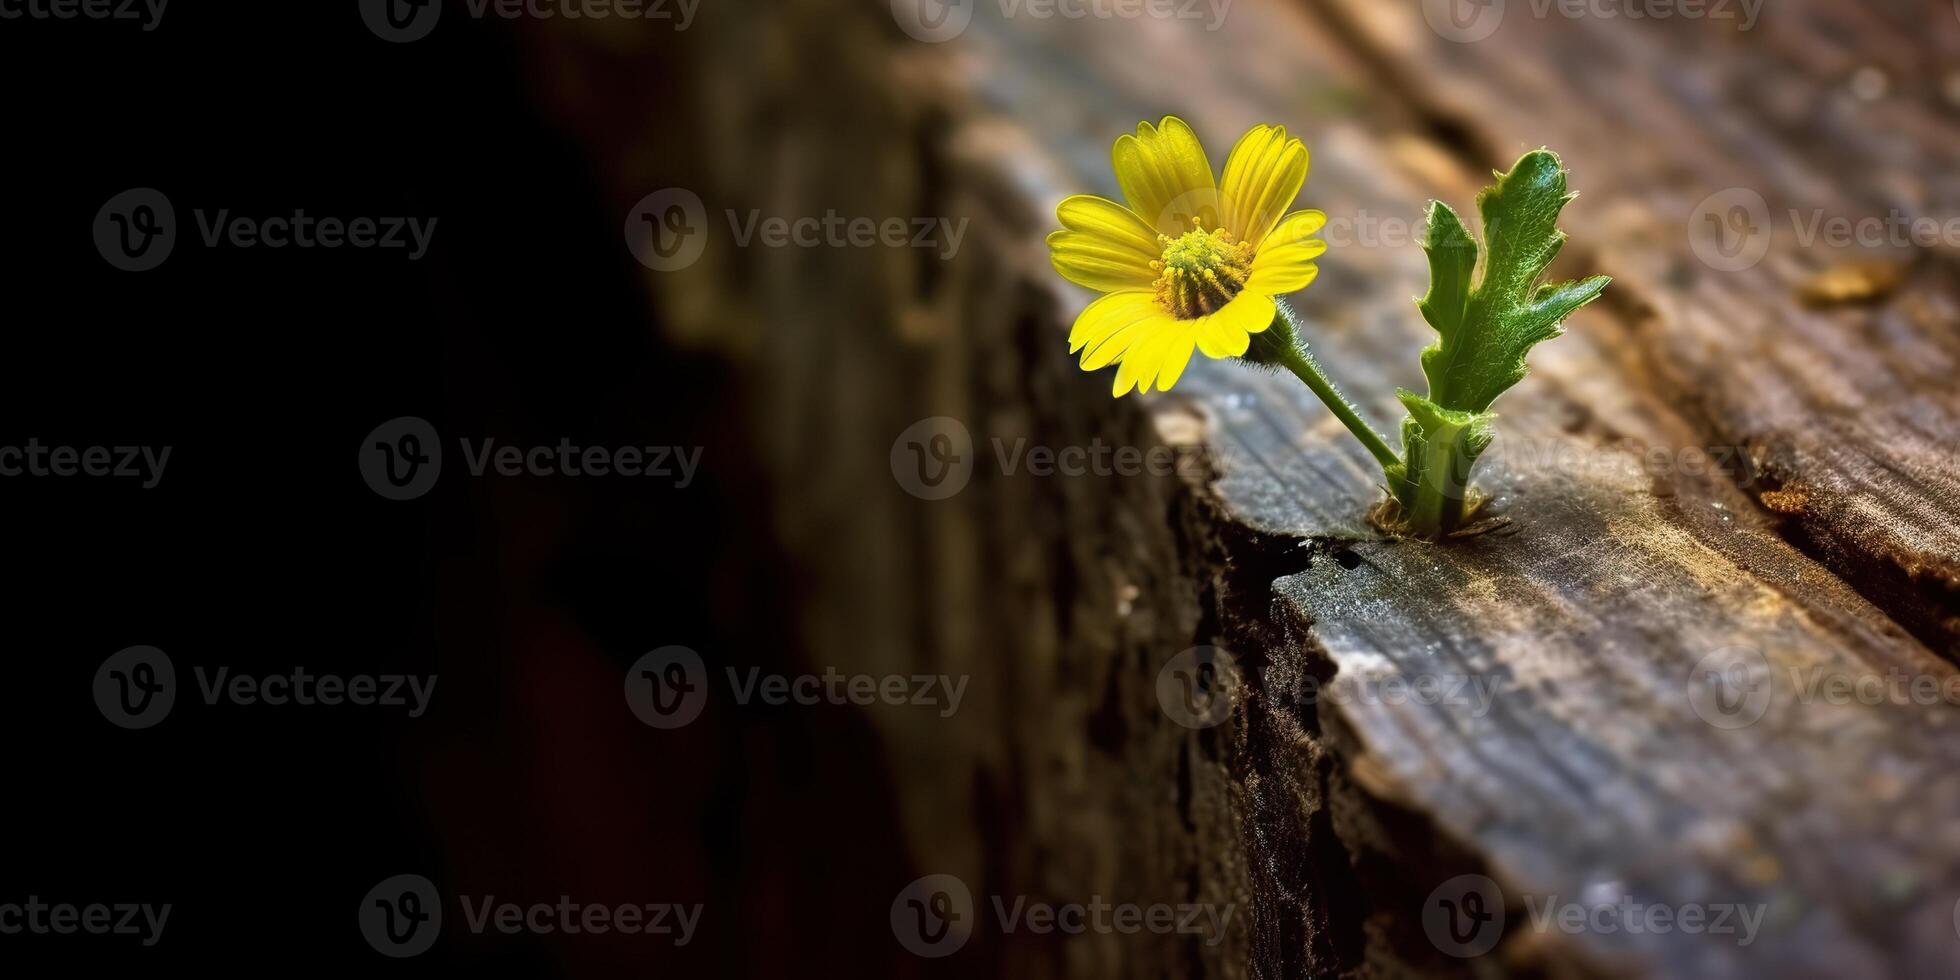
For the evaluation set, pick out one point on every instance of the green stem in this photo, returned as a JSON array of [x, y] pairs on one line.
[[1435, 491], [1290, 353], [1439, 490]]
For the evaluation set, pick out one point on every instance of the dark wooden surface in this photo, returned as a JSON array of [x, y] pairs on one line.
[[1831, 111], [1705, 465], [1707, 462]]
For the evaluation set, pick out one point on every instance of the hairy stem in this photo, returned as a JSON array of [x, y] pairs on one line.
[[1280, 345], [1435, 493]]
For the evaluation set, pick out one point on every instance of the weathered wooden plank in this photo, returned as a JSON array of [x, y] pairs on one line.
[[1727, 170], [1600, 767], [1328, 820], [1058, 779]]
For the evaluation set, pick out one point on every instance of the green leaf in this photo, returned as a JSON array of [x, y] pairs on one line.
[[1487, 318], [1486, 329], [1470, 430], [1452, 258]]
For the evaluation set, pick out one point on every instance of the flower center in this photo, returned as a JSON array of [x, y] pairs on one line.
[[1200, 272]]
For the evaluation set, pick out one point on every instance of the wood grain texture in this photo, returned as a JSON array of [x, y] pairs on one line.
[[1703, 469], [1059, 779], [1705, 465], [1831, 126]]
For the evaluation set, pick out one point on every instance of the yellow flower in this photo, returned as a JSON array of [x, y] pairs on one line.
[[1191, 262]]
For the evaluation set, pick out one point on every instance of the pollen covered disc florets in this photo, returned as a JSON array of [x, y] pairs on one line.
[[1200, 271]]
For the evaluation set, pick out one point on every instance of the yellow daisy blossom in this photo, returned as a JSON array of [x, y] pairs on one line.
[[1191, 262]]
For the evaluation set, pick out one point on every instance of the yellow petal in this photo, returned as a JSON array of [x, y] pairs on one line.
[[1176, 354], [1166, 177], [1154, 350], [1228, 333], [1279, 281], [1097, 262], [1219, 341], [1118, 342], [1262, 177], [1093, 215], [1108, 316], [1138, 366], [1285, 262]]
